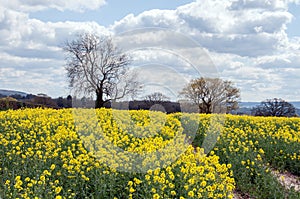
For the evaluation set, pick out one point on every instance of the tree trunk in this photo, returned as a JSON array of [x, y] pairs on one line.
[[209, 108], [99, 100]]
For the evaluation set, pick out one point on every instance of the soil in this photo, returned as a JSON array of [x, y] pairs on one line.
[[287, 179]]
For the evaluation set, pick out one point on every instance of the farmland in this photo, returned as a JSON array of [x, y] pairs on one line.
[[83, 153]]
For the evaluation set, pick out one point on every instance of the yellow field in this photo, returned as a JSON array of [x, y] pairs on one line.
[[83, 153]]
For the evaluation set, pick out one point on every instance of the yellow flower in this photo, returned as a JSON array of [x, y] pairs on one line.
[[130, 183], [7, 182], [42, 178], [46, 172], [131, 190], [147, 177], [17, 178], [261, 151], [137, 181], [58, 190], [191, 193], [156, 196], [52, 167]]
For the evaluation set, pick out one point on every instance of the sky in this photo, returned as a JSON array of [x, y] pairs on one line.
[[253, 43]]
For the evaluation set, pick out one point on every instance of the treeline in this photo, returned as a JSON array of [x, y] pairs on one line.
[[271, 107], [33, 101], [11, 103], [164, 106]]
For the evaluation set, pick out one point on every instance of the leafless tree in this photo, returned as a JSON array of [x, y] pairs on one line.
[[212, 95], [96, 65], [275, 107], [156, 97]]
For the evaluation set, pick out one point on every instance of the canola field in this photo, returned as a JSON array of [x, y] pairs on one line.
[[105, 153]]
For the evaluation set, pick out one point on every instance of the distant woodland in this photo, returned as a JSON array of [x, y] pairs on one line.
[[42, 100]]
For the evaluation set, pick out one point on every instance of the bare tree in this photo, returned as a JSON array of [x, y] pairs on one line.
[[96, 65], [156, 97], [212, 95], [274, 107]]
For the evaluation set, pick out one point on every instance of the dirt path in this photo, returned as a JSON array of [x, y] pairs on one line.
[[238, 195], [287, 179]]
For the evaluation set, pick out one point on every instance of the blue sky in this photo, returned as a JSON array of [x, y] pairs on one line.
[[294, 26], [112, 11], [115, 10], [253, 43]]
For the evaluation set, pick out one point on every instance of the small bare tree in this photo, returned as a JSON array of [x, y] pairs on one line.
[[274, 107], [212, 95], [96, 65], [156, 97]]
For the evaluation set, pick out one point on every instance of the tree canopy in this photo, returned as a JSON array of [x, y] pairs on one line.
[[156, 97], [212, 95], [96, 65], [274, 107]]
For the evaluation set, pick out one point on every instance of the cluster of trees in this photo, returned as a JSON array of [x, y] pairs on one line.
[[11, 103], [64, 102], [212, 95], [17, 101], [28, 101], [96, 65], [275, 107]]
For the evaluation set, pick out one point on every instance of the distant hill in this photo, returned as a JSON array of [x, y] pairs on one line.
[[12, 92], [248, 104], [296, 104], [253, 104]]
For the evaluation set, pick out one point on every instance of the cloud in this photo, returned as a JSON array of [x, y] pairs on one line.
[[241, 40], [246, 40], [32, 49], [219, 26], [266, 4], [261, 77], [22, 36], [37, 5]]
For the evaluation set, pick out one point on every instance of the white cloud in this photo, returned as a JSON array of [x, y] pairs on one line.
[[32, 49], [261, 77], [37, 5], [242, 40], [219, 27], [207, 16], [246, 40], [254, 4], [26, 37]]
